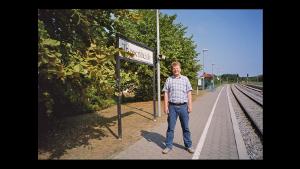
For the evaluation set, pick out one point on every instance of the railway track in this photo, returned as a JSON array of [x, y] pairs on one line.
[[252, 107], [252, 94], [255, 86], [257, 89]]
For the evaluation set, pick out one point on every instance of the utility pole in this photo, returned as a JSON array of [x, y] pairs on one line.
[[212, 72], [203, 50], [158, 65], [197, 85]]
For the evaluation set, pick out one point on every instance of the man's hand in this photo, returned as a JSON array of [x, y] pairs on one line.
[[190, 108], [166, 109]]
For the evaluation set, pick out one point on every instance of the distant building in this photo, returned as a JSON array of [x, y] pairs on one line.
[[208, 79], [207, 76]]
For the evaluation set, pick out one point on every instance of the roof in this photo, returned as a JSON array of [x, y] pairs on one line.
[[207, 75]]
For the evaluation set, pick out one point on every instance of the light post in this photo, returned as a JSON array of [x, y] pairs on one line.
[[158, 66], [212, 72], [220, 76], [197, 83], [203, 50]]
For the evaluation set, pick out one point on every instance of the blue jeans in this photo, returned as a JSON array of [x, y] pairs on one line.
[[182, 112]]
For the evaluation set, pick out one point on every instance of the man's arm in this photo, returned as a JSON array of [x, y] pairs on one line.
[[166, 101], [190, 101]]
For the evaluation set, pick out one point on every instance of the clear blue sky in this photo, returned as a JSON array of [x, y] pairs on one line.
[[234, 38]]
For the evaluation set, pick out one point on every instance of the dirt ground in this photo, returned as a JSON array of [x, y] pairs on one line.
[[95, 135]]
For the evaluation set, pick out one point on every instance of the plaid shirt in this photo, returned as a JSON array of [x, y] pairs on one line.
[[177, 88]]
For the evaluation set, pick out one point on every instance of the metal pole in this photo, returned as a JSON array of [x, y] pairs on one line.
[[154, 96], [197, 83], [203, 72], [158, 65], [119, 96], [118, 79], [203, 50], [212, 72]]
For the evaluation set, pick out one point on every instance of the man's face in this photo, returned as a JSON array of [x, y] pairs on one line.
[[176, 70]]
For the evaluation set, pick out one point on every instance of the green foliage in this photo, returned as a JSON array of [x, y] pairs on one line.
[[235, 77], [76, 49], [76, 60], [173, 44]]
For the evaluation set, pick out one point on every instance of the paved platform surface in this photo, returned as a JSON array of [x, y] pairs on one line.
[[219, 142]]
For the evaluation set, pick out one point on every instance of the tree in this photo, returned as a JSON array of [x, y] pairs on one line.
[[173, 44], [76, 50]]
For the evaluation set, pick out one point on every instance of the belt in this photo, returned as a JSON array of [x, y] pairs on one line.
[[178, 104]]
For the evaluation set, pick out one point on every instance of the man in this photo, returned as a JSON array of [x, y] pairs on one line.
[[178, 102]]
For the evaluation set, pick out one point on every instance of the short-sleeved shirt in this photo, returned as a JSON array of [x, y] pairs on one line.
[[177, 88]]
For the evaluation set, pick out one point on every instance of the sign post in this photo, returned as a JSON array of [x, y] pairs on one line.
[[141, 54], [119, 96]]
